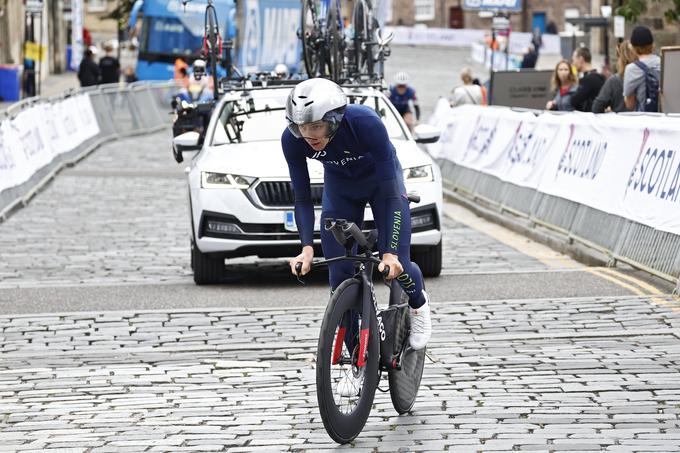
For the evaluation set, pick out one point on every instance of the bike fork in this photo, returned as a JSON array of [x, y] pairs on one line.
[[366, 302]]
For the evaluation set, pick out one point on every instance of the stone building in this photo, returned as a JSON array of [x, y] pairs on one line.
[[450, 14], [52, 28]]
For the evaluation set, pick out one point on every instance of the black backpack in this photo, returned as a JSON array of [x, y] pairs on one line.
[[651, 103]]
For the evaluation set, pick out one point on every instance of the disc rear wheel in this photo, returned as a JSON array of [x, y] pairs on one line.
[[404, 383]]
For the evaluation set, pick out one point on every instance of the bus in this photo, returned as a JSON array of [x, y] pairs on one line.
[[265, 37]]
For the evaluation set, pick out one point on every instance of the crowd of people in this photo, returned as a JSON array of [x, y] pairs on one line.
[[576, 84], [633, 87], [107, 70]]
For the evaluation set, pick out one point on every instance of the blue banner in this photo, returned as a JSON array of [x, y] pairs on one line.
[[269, 35]]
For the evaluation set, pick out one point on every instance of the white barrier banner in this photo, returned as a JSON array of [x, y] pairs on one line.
[[651, 194], [12, 168], [39, 134], [624, 165], [464, 37], [37, 151]]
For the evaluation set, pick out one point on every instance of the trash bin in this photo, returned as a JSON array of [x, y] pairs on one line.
[[10, 83], [69, 49]]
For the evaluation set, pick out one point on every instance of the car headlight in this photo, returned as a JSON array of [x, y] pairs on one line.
[[419, 174], [224, 181]]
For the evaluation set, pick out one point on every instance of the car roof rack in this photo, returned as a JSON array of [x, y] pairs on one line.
[[266, 81]]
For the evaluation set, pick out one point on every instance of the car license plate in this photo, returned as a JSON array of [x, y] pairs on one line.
[[289, 221]]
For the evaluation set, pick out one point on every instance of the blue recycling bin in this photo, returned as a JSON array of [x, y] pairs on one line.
[[10, 83], [69, 49]]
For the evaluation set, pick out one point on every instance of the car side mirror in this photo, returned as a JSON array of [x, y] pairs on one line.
[[187, 141], [426, 133]]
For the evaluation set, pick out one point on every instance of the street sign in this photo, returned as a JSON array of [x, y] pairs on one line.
[[34, 6], [619, 27], [500, 5], [527, 88], [500, 23], [34, 51]]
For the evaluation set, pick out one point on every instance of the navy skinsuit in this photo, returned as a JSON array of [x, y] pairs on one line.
[[360, 166]]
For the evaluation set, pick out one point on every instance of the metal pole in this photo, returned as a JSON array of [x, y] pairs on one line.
[[493, 41], [606, 46], [119, 29], [37, 92]]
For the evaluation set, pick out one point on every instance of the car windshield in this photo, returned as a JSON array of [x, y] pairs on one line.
[[259, 116]]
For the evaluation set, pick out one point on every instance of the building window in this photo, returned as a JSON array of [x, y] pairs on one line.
[[424, 10], [96, 6]]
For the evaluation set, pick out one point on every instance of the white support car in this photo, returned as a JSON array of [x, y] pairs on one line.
[[240, 192]]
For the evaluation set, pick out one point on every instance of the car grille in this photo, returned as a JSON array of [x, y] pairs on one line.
[[280, 193]]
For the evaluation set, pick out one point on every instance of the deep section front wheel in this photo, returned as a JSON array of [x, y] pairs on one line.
[[345, 389]]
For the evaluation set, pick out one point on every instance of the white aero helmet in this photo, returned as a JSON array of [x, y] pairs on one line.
[[281, 70], [199, 68], [401, 78], [314, 100]]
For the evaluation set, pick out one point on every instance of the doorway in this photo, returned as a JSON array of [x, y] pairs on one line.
[[456, 17], [538, 21]]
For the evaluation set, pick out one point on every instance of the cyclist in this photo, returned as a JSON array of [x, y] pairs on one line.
[[360, 166], [199, 85], [281, 71], [404, 99]]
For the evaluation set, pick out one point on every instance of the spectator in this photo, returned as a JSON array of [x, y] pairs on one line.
[[537, 40], [181, 70], [551, 28], [530, 58], [88, 71], [477, 82], [610, 98], [564, 84], [591, 81], [130, 76], [109, 67], [641, 78], [468, 93]]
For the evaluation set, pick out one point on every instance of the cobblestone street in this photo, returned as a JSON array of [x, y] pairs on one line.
[[541, 375], [107, 345]]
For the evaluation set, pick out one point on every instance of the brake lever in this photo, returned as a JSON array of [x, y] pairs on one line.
[[298, 271]]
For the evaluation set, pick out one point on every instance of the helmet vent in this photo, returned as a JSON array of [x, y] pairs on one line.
[[309, 103]]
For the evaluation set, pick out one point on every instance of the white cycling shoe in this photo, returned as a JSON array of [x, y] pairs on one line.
[[421, 325], [349, 386]]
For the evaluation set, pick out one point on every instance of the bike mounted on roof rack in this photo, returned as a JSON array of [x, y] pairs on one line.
[[330, 49]]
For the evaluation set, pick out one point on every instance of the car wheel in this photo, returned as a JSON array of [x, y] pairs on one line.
[[429, 260], [207, 269]]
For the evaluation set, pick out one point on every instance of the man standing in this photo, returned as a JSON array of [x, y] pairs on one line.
[[88, 72], [641, 78], [590, 83], [109, 66]]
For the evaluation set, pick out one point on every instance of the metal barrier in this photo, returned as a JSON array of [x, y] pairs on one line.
[[615, 237], [121, 111]]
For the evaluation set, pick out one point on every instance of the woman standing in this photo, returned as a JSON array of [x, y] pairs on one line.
[[610, 98], [564, 84]]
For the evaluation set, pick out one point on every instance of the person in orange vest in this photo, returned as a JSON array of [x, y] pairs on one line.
[[181, 73]]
